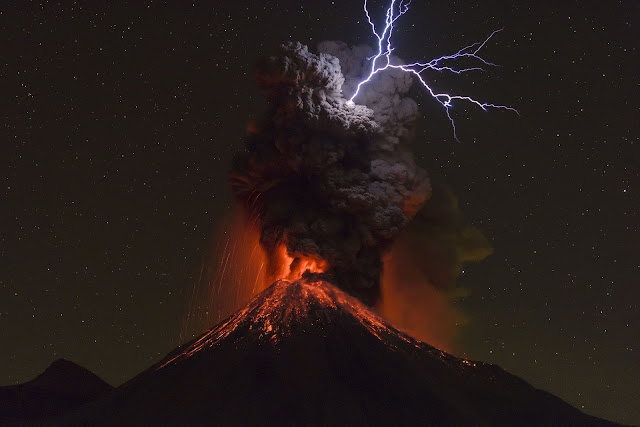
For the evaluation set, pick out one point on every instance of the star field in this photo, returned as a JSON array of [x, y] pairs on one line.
[[120, 122]]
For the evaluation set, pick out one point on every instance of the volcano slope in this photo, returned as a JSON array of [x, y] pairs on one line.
[[308, 353]]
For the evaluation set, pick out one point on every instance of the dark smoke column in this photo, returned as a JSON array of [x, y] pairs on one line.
[[323, 179]]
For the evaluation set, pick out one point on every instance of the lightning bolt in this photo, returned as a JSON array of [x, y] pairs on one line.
[[382, 61]]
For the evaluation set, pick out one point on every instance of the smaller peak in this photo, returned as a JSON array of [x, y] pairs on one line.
[[63, 364], [64, 374], [65, 367]]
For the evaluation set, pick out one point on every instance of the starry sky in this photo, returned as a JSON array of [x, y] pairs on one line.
[[119, 123]]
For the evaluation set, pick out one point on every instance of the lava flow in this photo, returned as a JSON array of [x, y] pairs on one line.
[[283, 307]]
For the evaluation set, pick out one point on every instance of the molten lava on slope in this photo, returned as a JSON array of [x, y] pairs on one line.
[[274, 313]]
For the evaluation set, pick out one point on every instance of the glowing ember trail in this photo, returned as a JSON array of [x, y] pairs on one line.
[[382, 61]]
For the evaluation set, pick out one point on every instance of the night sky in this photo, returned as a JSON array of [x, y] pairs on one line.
[[119, 123]]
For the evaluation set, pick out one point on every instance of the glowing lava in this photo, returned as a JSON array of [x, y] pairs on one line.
[[277, 311], [285, 266]]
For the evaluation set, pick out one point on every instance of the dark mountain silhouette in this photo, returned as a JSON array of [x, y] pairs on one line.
[[307, 353], [63, 386]]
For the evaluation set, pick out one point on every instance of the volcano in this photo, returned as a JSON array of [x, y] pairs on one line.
[[307, 353]]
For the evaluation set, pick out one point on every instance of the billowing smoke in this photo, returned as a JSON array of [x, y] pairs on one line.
[[385, 94], [325, 180], [422, 267], [440, 240]]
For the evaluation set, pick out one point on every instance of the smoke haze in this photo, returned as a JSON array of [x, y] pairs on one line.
[[420, 272]]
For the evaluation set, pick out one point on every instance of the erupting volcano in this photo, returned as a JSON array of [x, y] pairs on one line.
[[326, 188]]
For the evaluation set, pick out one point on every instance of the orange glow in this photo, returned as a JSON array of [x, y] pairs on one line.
[[230, 274], [253, 127], [237, 269], [410, 303], [285, 266]]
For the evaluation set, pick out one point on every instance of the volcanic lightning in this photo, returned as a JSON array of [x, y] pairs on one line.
[[383, 61]]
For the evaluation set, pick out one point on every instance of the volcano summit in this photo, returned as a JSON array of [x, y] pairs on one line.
[[307, 353]]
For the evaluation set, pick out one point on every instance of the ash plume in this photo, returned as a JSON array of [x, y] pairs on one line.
[[392, 110], [324, 179]]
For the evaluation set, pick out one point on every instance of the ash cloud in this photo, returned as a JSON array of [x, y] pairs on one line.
[[440, 240], [420, 274], [325, 179], [385, 94]]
